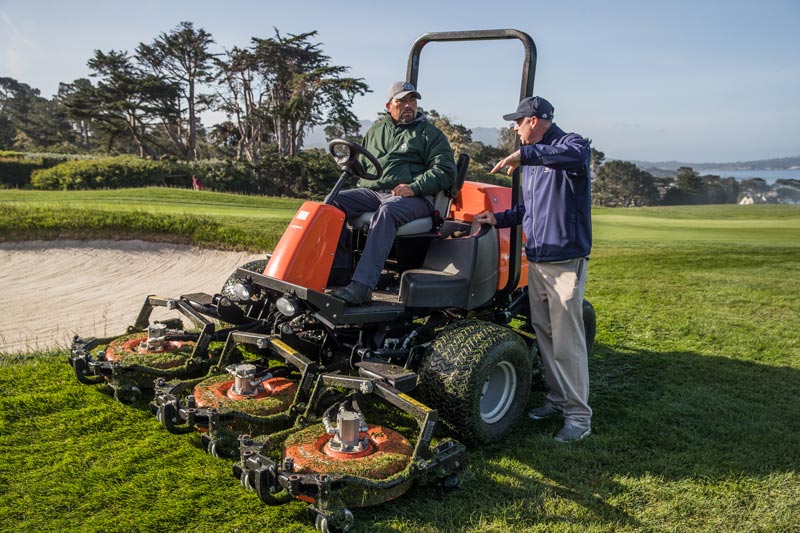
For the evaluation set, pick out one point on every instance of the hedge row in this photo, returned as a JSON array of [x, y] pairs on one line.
[[310, 175], [16, 173], [16, 168], [109, 173]]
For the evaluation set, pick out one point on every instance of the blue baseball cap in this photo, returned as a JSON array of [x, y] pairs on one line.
[[532, 106]]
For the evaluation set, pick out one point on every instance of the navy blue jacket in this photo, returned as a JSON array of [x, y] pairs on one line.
[[556, 215]]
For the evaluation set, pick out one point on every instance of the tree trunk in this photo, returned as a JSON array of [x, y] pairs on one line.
[[144, 150], [191, 142]]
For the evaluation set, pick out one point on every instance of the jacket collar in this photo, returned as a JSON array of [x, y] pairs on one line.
[[553, 132], [421, 117]]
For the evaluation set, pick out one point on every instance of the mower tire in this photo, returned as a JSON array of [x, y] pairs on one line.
[[478, 376], [227, 288]]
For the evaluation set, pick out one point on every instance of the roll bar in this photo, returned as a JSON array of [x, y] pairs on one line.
[[526, 89]]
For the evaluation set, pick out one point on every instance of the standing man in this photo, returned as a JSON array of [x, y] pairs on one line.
[[417, 163], [556, 219]]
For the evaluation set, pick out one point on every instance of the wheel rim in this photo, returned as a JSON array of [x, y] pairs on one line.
[[498, 392]]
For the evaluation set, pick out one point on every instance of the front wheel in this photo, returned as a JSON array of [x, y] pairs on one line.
[[227, 288], [478, 375]]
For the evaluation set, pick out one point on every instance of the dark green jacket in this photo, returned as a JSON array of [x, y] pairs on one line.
[[417, 153]]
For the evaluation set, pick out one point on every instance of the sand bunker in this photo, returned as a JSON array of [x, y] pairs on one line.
[[50, 291]]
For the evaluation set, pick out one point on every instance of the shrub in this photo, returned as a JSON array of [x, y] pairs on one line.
[[311, 175], [15, 172], [225, 175], [112, 173], [16, 168]]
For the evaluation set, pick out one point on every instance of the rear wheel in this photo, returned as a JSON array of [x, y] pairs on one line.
[[478, 375]]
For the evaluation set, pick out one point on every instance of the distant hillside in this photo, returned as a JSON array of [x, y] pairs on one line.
[[488, 136], [782, 163]]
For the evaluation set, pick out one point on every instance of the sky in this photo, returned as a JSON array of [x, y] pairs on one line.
[[686, 80]]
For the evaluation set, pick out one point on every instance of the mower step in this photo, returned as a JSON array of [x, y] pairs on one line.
[[398, 377]]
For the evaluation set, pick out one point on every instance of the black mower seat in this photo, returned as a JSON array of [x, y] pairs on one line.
[[441, 207]]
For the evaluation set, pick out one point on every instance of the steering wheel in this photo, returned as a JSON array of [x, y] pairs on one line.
[[348, 158]]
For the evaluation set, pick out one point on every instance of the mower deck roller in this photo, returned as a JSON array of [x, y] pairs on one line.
[[163, 349]]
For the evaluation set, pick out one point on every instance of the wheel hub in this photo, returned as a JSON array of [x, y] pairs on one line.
[[498, 392]]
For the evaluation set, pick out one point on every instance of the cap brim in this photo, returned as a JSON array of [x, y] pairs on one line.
[[514, 116], [398, 96]]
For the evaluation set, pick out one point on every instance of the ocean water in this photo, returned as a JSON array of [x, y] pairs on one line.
[[770, 176]]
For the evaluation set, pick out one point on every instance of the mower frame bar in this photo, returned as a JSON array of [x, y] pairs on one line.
[[526, 89]]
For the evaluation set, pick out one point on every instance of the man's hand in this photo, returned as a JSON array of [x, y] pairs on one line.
[[487, 217], [511, 161], [403, 190]]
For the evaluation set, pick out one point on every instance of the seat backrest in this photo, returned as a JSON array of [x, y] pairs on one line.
[[443, 199], [462, 165]]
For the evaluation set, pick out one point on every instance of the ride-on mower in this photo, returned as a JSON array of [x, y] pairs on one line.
[[446, 337], [341, 405]]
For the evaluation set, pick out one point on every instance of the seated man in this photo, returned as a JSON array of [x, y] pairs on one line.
[[417, 163]]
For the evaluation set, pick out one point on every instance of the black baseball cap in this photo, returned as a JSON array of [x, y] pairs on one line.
[[532, 106]]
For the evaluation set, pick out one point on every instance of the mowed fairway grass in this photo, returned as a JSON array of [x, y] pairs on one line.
[[695, 387], [203, 218]]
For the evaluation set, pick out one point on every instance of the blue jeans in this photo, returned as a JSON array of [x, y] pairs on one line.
[[390, 212]]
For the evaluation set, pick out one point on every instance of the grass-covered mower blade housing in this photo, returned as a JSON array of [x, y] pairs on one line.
[[164, 349]]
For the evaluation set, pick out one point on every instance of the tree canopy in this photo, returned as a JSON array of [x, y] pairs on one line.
[[271, 93], [623, 184], [182, 59]]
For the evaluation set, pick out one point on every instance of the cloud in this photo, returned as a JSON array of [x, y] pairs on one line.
[[15, 48]]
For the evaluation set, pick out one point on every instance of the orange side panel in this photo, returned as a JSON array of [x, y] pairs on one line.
[[476, 198], [304, 254]]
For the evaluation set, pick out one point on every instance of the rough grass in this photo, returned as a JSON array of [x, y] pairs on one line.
[[695, 386]]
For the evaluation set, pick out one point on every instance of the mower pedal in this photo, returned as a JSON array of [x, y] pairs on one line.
[[398, 377]]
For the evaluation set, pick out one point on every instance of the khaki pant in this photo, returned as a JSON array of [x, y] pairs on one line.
[[556, 298]]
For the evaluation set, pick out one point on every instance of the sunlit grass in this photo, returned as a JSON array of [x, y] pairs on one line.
[[695, 387], [208, 219], [157, 199]]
